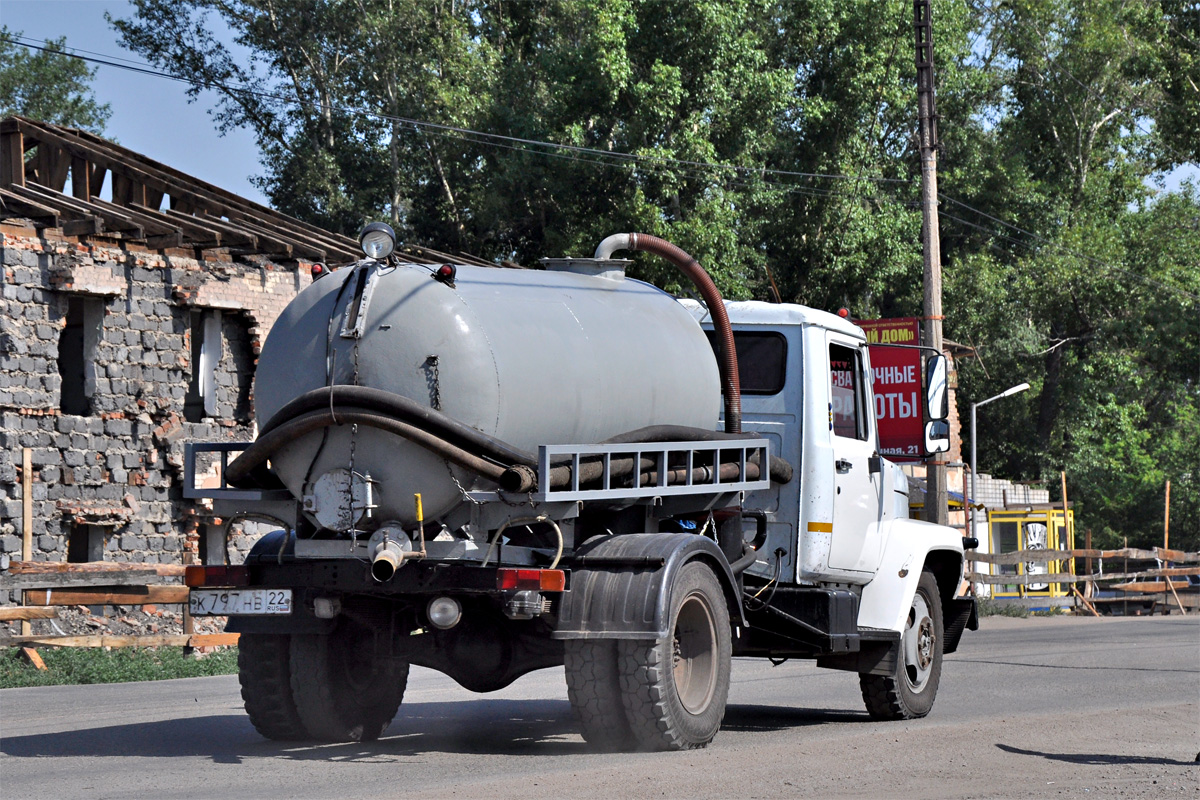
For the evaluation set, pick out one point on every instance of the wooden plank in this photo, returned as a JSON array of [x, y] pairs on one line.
[[232, 233], [64, 206], [1149, 587], [34, 658], [12, 157], [13, 205], [82, 227], [1064, 577], [81, 177], [152, 222], [105, 640], [1086, 604], [164, 241], [67, 580], [1175, 594], [113, 220], [301, 245], [106, 596], [59, 164], [97, 640], [121, 187], [26, 513], [11, 613], [41, 163], [54, 567], [213, 639], [96, 181], [1043, 556]]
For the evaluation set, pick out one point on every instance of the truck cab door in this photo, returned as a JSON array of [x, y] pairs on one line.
[[857, 502]]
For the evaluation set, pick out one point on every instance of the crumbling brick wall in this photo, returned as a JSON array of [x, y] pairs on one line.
[[118, 466]]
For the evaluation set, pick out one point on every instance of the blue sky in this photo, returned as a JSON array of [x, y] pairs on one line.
[[149, 115], [152, 115]]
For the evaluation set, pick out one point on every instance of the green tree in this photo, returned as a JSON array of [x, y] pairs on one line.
[[1178, 119], [1083, 293], [778, 138], [48, 85]]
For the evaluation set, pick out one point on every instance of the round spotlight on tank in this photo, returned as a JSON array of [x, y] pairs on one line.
[[443, 612], [377, 240]]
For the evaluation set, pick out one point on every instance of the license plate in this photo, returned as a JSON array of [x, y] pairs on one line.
[[225, 602]]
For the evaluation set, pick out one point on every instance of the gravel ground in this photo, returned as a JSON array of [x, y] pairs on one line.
[[116, 620]]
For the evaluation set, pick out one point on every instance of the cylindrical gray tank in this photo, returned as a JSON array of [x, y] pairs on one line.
[[528, 356]]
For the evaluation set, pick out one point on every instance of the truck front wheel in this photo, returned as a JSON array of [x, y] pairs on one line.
[[343, 691], [674, 688], [910, 691]]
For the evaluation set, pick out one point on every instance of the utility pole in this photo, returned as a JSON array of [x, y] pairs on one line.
[[936, 509]]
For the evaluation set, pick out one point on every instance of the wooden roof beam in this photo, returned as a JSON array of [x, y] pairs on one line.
[[233, 234], [115, 221], [14, 205], [153, 223], [161, 178]]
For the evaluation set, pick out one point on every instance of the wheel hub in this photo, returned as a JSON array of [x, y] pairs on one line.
[[694, 656], [919, 644]]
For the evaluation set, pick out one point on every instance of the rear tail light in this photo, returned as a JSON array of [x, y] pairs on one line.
[[540, 580], [216, 576]]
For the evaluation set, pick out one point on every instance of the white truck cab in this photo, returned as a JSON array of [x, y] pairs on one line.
[[806, 386]]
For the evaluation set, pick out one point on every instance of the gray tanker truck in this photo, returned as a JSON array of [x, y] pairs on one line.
[[489, 471]]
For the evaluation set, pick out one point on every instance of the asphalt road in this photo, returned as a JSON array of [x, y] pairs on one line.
[[1041, 707]]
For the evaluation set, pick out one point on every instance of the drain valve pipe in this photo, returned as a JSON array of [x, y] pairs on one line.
[[730, 382], [386, 559], [389, 555]]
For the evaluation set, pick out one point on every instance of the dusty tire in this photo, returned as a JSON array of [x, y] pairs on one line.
[[594, 689], [675, 688], [342, 692], [264, 671], [910, 692]]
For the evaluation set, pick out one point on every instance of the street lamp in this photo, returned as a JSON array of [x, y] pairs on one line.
[[1020, 387]]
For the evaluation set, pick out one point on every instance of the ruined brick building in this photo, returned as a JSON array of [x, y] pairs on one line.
[[127, 327]]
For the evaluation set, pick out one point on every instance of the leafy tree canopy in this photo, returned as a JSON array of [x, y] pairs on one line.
[[48, 85], [776, 141]]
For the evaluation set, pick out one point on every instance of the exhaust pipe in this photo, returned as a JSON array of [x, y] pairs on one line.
[[386, 559]]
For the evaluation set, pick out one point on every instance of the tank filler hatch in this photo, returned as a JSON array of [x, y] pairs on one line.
[[611, 268]]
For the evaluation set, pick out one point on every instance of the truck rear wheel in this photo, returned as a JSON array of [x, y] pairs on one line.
[[594, 689], [910, 692], [264, 671], [674, 688], [343, 691]]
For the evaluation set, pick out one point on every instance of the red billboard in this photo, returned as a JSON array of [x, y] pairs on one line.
[[896, 379]]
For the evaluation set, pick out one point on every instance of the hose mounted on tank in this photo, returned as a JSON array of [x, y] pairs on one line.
[[730, 382]]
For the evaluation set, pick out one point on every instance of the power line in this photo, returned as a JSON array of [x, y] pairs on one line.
[[1056, 245], [603, 158], [436, 126]]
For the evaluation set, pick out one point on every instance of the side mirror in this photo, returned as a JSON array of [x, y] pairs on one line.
[[937, 401], [937, 436]]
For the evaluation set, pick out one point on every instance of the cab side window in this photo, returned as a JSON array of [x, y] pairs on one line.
[[845, 373], [762, 360]]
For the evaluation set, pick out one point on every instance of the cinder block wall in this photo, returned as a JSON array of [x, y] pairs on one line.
[[118, 468]]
